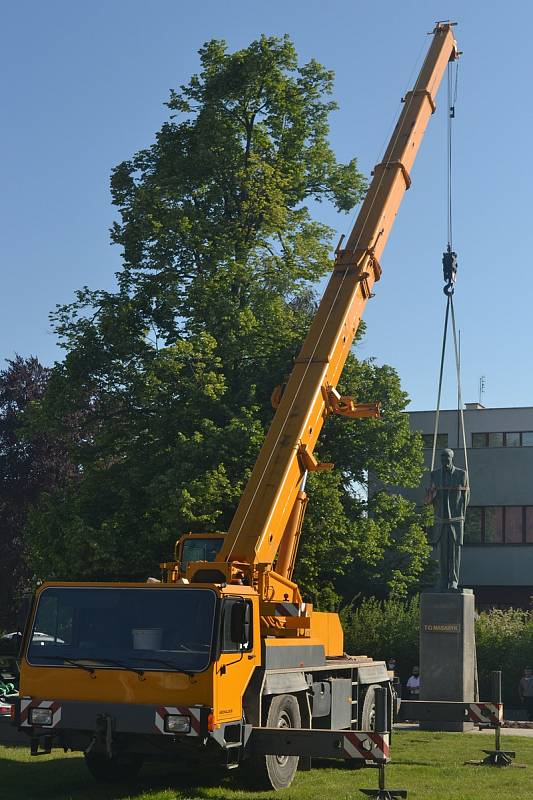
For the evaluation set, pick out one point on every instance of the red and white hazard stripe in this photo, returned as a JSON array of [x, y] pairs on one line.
[[27, 703], [370, 746], [162, 711], [491, 713], [290, 610]]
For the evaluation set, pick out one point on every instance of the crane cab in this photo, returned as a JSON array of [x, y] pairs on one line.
[[192, 547]]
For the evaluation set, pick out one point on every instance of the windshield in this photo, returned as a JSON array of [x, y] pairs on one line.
[[144, 629], [199, 550]]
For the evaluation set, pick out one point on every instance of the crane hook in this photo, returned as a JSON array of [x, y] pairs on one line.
[[449, 269]]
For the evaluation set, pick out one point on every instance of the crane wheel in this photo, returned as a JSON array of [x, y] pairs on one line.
[[368, 716], [277, 772]]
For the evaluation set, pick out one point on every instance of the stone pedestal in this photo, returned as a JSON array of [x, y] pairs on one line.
[[447, 652]]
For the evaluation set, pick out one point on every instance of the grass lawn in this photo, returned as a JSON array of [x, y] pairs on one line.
[[429, 765]]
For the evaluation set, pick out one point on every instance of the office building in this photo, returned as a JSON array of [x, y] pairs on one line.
[[497, 557]]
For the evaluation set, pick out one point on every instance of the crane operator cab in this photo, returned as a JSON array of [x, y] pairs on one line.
[[192, 547]]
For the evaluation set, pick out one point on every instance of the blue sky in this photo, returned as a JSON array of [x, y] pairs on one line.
[[84, 87]]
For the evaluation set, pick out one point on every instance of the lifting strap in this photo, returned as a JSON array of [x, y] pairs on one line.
[[450, 313]]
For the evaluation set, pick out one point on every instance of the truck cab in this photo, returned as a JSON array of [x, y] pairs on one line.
[[136, 668], [180, 671]]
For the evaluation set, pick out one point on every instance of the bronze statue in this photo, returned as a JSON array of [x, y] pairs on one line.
[[449, 493]]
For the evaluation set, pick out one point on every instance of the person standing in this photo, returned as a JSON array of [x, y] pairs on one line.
[[413, 684], [525, 691]]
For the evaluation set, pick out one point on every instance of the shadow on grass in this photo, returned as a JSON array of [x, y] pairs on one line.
[[341, 764], [67, 778]]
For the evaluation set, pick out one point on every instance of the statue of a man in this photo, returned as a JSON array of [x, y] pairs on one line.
[[449, 493]]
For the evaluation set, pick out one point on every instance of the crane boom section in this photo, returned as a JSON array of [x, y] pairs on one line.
[[272, 490]]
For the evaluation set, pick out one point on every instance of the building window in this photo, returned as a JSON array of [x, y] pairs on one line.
[[499, 525], [512, 440], [514, 525], [473, 525], [442, 441], [503, 439], [493, 525], [529, 524]]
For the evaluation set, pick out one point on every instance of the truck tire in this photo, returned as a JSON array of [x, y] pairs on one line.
[[369, 709], [277, 772], [113, 770]]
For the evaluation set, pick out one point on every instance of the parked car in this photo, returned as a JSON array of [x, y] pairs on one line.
[[5, 709], [8, 686], [9, 674], [37, 637]]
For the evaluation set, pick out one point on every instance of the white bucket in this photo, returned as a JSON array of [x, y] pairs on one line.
[[147, 638]]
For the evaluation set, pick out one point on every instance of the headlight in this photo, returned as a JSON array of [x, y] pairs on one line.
[[41, 716], [175, 723]]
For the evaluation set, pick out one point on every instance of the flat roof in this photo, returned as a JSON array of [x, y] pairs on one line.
[[470, 410]]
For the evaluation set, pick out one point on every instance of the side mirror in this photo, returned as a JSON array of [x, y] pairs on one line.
[[23, 612], [241, 622]]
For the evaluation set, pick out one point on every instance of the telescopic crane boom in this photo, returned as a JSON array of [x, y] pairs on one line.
[[269, 514]]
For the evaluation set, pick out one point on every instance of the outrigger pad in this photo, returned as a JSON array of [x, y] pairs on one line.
[[496, 758]]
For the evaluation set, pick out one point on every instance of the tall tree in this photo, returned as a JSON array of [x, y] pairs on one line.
[[29, 465], [173, 372]]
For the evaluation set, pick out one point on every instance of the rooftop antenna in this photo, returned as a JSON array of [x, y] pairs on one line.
[[482, 386]]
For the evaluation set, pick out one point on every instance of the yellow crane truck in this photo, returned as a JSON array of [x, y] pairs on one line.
[[223, 655]]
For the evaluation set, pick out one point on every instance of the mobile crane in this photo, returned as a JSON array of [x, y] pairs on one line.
[[224, 648]]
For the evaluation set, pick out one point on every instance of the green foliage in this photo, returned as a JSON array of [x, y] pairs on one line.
[[214, 224], [379, 544], [169, 378], [167, 458], [384, 629], [29, 465], [504, 641], [390, 629]]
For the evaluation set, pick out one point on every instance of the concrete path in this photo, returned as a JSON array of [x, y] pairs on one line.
[[505, 732], [511, 731]]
